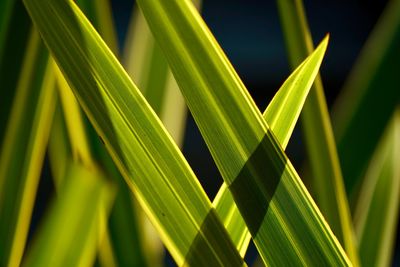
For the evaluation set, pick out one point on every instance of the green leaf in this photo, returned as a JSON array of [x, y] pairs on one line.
[[326, 174], [281, 115], [123, 222], [75, 147], [377, 209], [146, 65], [285, 223], [151, 164], [370, 84], [76, 222], [23, 149]]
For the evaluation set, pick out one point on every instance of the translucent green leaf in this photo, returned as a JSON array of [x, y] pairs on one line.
[[326, 174], [150, 162], [282, 218], [123, 222], [281, 115]]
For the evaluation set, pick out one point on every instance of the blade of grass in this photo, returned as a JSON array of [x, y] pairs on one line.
[[152, 165], [264, 184], [146, 66], [321, 149], [281, 115], [122, 223], [377, 212], [80, 210], [123, 226], [24, 148], [370, 84]]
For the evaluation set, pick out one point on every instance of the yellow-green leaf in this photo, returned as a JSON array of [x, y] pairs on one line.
[[281, 115], [284, 221], [327, 179], [150, 162]]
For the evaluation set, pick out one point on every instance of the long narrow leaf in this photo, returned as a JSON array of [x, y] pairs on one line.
[[377, 211], [123, 222], [152, 165], [281, 115], [325, 167], [282, 218], [145, 64], [23, 150], [73, 147]]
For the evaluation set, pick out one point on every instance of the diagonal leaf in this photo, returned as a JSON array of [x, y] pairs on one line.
[[281, 115], [377, 212], [151, 164], [123, 222], [320, 143], [23, 149], [80, 210], [282, 218], [147, 67]]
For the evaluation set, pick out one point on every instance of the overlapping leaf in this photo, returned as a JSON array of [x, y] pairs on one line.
[[281, 115], [149, 161], [285, 224], [327, 178]]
